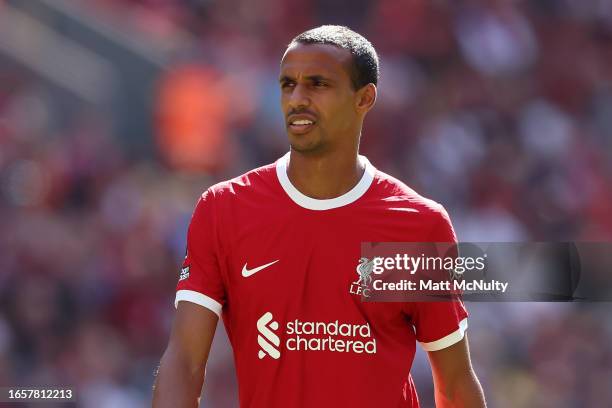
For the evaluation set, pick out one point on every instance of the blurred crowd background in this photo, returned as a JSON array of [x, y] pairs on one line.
[[116, 114]]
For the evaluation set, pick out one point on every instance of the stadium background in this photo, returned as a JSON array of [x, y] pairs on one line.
[[116, 114]]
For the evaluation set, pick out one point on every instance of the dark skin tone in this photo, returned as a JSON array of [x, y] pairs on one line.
[[315, 81], [316, 91]]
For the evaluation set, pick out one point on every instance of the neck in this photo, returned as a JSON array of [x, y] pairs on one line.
[[324, 177]]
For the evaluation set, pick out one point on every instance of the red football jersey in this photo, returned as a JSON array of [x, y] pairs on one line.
[[278, 267]]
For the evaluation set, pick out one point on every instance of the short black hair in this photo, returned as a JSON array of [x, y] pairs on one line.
[[364, 69]]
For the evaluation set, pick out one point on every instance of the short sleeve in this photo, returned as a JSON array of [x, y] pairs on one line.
[[200, 278], [439, 324]]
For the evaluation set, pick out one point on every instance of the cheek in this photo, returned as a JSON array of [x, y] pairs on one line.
[[338, 112], [345, 116], [283, 102]]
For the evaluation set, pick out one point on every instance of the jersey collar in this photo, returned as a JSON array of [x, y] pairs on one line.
[[314, 204]]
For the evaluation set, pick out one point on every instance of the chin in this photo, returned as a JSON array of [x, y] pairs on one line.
[[306, 147], [302, 144]]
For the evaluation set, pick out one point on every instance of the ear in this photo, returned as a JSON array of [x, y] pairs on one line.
[[365, 98]]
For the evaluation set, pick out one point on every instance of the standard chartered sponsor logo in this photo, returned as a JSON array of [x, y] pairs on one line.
[[332, 336], [315, 336], [267, 339]]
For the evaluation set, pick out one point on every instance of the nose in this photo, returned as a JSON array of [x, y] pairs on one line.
[[299, 97]]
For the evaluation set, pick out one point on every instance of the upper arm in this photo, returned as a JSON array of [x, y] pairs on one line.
[[199, 301], [201, 291], [181, 373], [450, 363], [192, 334], [455, 382]]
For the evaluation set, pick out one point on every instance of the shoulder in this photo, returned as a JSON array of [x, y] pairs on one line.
[[222, 201], [396, 193], [398, 198], [254, 181]]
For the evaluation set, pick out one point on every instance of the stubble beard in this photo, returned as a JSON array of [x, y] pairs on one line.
[[310, 147]]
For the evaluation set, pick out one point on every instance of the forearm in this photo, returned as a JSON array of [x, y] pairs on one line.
[[178, 383], [464, 392]]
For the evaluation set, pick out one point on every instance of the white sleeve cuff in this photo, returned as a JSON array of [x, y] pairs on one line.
[[200, 299], [449, 340]]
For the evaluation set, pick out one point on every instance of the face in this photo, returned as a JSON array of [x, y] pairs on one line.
[[321, 107]]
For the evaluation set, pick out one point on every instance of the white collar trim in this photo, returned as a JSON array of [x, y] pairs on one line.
[[314, 204]]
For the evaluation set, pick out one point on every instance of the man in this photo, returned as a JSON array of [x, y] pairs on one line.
[[274, 252]]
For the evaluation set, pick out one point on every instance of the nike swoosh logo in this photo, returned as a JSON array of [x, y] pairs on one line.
[[248, 272]]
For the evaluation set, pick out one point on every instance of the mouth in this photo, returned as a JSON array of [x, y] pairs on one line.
[[301, 126]]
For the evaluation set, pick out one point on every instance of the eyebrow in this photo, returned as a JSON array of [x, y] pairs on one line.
[[312, 78]]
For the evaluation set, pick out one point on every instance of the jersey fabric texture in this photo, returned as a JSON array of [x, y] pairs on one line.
[[279, 268]]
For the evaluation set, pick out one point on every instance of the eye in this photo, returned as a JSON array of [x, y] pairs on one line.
[[319, 84], [288, 84]]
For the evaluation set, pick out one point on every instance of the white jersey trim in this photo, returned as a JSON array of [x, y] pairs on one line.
[[200, 299], [449, 340], [315, 204]]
